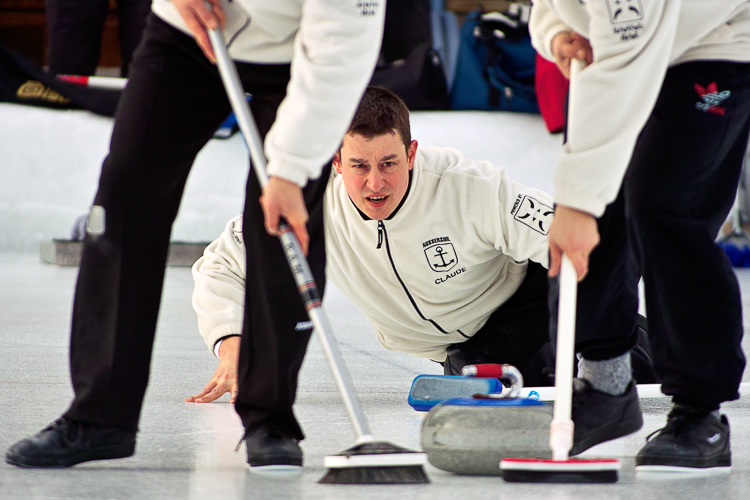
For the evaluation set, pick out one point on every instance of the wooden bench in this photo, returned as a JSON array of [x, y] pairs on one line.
[[466, 6]]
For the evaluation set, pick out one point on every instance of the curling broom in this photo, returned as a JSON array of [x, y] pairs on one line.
[[562, 469], [369, 461]]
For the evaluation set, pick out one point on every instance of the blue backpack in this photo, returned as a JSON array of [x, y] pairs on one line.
[[496, 63]]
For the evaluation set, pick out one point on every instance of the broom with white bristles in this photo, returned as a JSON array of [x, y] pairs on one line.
[[369, 461]]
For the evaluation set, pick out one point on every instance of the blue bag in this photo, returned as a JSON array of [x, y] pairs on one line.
[[496, 63]]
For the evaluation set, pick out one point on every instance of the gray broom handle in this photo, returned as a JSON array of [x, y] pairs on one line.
[[297, 262]]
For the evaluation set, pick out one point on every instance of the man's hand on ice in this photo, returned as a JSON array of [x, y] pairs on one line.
[[282, 198], [200, 16], [575, 234], [224, 378]]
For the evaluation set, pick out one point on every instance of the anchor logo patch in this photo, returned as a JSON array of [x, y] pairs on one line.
[[441, 256]]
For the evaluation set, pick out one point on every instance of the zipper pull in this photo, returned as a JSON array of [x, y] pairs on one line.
[[380, 234]]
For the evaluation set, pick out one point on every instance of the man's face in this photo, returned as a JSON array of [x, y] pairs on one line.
[[375, 171]]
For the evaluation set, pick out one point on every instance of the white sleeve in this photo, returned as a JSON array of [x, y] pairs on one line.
[[219, 292], [543, 26], [520, 220], [335, 52], [613, 99]]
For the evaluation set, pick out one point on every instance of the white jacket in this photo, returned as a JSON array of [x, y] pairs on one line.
[[333, 46], [428, 277], [633, 42]]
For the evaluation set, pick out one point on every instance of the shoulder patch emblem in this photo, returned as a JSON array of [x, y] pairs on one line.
[[533, 213], [626, 18], [237, 233], [624, 11]]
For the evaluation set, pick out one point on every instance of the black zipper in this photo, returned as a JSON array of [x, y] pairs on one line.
[[383, 234]]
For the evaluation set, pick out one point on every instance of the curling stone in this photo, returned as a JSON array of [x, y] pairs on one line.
[[470, 435]]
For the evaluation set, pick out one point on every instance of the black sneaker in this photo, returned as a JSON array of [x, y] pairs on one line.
[[271, 448], [600, 417], [68, 442], [692, 438]]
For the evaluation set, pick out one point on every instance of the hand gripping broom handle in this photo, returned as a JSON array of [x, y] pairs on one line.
[[297, 263], [561, 429]]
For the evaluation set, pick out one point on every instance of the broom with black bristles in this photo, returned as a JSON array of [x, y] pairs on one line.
[[369, 461]]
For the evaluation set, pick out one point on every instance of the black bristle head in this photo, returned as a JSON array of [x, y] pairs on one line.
[[413, 474]]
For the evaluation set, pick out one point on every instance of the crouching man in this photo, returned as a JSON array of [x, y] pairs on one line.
[[446, 256]]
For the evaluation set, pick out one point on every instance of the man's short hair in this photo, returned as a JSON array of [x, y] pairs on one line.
[[381, 112]]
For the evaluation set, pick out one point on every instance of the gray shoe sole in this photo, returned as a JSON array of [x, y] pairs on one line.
[[275, 470]]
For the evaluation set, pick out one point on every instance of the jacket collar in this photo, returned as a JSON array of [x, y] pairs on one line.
[[393, 214]]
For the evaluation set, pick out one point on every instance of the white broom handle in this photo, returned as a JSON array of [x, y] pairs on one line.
[[98, 82], [645, 391], [561, 428], [566, 315], [297, 262]]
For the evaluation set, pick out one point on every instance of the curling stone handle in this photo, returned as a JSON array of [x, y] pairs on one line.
[[506, 372], [487, 370]]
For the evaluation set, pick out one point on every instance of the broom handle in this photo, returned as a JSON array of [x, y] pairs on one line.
[[297, 262], [96, 82], [645, 391], [561, 429]]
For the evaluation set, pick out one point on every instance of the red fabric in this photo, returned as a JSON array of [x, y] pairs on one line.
[[551, 89]]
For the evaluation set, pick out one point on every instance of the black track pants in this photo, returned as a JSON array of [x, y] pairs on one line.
[[678, 189], [75, 33], [517, 334], [173, 103], [275, 318]]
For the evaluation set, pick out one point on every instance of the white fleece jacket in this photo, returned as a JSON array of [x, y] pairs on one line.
[[633, 42], [428, 277], [333, 46]]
